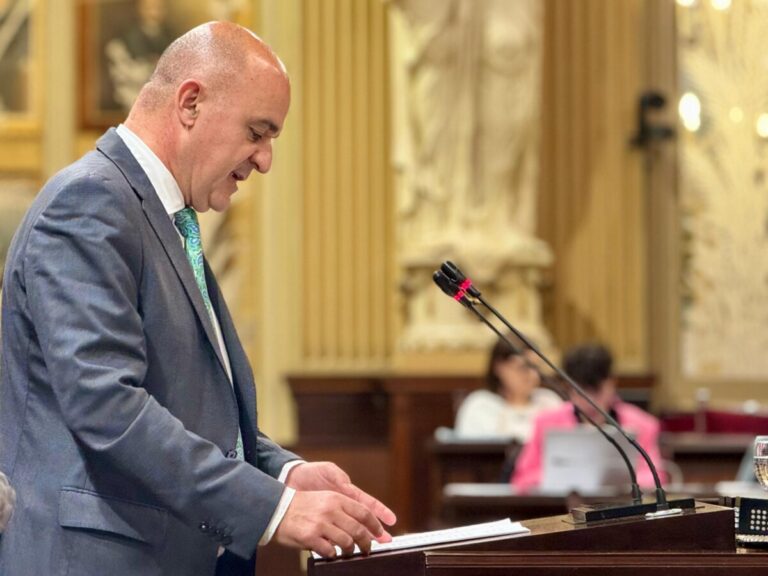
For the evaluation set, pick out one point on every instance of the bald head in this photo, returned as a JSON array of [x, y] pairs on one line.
[[217, 53], [216, 101]]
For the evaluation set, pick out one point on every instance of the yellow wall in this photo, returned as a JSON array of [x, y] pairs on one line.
[[593, 210], [315, 289]]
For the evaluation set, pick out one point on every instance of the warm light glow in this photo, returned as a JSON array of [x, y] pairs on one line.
[[721, 4], [690, 111], [736, 114], [686, 3], [762, 125]]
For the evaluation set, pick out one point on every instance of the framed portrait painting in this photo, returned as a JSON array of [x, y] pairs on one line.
[[20, 48], [120, 43]]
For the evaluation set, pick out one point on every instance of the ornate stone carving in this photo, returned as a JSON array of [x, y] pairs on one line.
[[466, 137], [724, 190]]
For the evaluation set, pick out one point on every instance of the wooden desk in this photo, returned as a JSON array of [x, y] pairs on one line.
[[704, 460], [390, 418], [706, 529], [454, 462], [469, 503], [740, 563], [469, 461], [705, 457]]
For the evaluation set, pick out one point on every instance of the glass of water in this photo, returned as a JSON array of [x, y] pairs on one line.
[[760, 459]]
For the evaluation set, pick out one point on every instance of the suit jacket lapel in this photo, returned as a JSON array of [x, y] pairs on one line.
[[113, 147], [242, 377]]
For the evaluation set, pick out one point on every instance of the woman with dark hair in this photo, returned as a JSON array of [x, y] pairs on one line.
[[513, 398]]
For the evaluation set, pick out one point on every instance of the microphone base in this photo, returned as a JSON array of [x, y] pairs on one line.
[[664, 513], [587, 514]]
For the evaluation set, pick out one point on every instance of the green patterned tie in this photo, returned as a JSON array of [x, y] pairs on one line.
[[186, 222]]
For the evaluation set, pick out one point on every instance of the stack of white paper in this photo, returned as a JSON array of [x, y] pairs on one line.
[[486, 530]]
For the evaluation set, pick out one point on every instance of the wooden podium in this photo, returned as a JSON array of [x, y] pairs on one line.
[[700, 541]]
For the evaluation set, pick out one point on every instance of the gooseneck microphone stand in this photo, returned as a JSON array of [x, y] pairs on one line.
[[447, 286], [454, 283]]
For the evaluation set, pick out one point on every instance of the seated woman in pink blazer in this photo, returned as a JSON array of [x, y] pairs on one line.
[[590, 366]]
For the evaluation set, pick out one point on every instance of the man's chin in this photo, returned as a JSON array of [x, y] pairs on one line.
[[220, 203]]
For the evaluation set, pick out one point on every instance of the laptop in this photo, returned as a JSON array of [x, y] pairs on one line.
[[582, 460]]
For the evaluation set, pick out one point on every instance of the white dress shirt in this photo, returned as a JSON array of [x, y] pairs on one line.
[[170, 195]]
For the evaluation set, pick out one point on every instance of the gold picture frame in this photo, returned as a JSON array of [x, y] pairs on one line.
[[120, 42], [21, 49]]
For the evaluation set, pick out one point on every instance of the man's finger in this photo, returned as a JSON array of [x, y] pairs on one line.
[[340, 537], [358, 532], [324, 548], [364, 516], [379, 509]]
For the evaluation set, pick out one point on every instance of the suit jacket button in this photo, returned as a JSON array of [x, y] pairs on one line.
[[204, 527], [232, 454]]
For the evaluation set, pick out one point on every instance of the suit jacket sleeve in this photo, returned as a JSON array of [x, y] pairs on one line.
[[82, 273]]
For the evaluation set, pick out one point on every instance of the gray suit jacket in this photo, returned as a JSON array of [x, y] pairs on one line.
[[117, 419]]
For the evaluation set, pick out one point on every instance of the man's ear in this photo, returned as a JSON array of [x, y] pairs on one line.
[[188, 97]]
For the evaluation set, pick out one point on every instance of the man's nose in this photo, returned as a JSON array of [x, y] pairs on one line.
[[262, 158]]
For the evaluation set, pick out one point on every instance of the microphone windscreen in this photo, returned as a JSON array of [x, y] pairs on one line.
[[445, 283], [452, 271]]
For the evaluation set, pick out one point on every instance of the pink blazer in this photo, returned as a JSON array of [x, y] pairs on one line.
[[644, 426]]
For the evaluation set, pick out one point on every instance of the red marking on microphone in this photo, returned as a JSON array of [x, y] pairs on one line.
[[463, 287]]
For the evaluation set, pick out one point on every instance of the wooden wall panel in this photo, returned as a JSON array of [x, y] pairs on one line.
[[664, 215], [592, 205], [347, 312]]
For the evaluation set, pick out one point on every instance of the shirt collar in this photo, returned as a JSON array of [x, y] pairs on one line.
[[160, 177]]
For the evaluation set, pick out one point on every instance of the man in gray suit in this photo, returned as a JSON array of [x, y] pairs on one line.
[[128, 421]]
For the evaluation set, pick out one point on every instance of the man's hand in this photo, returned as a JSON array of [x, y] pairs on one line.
[[312, 476], [320, 520], [7, 501]]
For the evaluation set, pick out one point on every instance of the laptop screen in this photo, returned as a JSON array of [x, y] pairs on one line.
[[581, 459]]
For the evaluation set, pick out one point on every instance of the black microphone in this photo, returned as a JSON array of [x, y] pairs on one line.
[[451, 289], [449, 286], [457, 277], [464, 286]]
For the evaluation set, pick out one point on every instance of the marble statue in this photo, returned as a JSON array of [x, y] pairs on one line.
[[466, 150]]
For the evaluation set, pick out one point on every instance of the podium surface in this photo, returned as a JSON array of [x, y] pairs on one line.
[[593, 564], [706, 529]]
